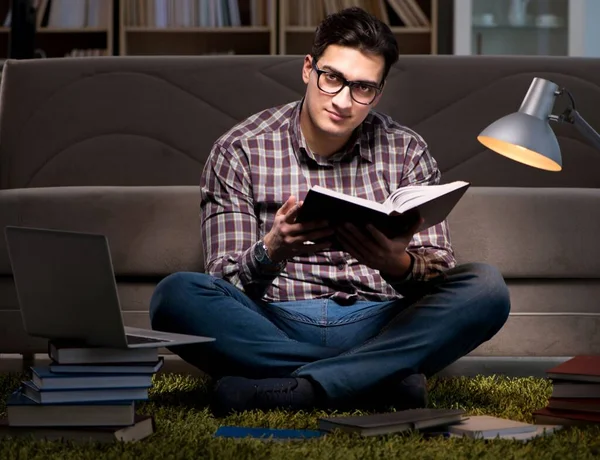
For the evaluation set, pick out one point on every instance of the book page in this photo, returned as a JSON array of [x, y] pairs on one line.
[[412, 196], [353, 199]]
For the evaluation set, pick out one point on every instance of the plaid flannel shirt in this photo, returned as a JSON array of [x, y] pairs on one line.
[[255, 166]]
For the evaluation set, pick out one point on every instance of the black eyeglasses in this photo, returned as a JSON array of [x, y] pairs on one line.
[[333, 83]]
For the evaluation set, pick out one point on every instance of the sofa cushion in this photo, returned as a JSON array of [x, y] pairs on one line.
[[529, 232], [152, 231], [155, 231]]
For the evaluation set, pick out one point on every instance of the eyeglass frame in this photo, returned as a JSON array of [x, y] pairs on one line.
[[345, 83]]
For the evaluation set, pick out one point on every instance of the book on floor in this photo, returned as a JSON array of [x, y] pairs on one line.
[[83, 395], [575, 404], [584, 368], [398, 213], [112, 368], [486, 426], [564, 417], [143, 427], [267, 434], [70, 353], [538, 431], [566, 389], [23, 411], [45, 379], [392, 422]]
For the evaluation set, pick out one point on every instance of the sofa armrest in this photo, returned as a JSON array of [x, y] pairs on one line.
[[152, 230]]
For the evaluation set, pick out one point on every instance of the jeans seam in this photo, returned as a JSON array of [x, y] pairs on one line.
[[382, 331]]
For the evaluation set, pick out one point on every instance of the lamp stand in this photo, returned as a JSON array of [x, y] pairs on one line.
[[572, 116]]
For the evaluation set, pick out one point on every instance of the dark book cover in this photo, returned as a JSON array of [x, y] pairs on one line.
[[392, 422]]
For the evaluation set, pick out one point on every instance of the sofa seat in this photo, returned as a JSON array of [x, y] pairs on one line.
[[542, 240]]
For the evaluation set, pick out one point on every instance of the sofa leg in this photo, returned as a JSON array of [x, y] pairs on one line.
[[28, 361]]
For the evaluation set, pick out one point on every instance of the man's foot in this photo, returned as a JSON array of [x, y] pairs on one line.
[[410, 393], [237, 394]]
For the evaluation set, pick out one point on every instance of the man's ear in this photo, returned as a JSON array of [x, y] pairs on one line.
[[306, 68]]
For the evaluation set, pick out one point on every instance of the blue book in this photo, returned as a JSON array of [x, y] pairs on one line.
[[116, 368], [274, 434], [23, 411], [44, 379], [83, 395]]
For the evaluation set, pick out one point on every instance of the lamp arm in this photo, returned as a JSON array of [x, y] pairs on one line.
[[572, 116]]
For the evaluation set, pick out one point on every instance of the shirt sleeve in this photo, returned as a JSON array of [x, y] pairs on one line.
[[229, 224], [431, 249]]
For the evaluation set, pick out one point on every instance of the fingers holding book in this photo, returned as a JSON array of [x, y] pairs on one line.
[[288, 238]]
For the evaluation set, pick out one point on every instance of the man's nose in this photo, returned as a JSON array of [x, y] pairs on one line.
[[343, 99]]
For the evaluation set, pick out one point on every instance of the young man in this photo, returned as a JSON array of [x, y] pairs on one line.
[[298, 325]]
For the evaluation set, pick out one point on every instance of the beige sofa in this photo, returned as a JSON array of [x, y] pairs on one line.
[[117, 144]]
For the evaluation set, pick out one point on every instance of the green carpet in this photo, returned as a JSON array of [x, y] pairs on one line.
[[185, 428]]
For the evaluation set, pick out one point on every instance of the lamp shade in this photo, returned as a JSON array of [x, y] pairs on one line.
[[526, 135]]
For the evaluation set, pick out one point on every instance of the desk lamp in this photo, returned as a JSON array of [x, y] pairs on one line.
[[526, 136]]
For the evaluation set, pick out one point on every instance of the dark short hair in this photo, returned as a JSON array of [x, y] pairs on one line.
[[355, 28]]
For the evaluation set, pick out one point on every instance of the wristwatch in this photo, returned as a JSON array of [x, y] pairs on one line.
[[261, 255]]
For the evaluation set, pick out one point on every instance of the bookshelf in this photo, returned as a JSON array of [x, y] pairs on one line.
[[413, 22], [200, 27], [192, 27], [66, 27]]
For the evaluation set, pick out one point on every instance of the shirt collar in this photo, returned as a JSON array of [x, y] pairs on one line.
[[360, 143]]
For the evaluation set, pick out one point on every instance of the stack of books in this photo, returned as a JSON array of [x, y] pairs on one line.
[[85, 393], [575, 398]]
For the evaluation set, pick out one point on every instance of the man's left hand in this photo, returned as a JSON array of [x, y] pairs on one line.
[[374, 249]]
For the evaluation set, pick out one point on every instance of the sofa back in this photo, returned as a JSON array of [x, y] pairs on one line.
[[152, 120], [140, 128]]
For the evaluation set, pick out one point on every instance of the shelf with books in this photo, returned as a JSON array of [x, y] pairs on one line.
[[73, 28], [65, 27], [193, 27], [413, 22]]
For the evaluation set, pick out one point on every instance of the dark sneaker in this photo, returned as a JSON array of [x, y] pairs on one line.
[[410, 393], [238, 394]]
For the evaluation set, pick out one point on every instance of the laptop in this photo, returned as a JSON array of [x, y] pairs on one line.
[[67, 291]]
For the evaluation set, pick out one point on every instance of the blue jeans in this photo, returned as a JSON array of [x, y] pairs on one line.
[[346, 350]]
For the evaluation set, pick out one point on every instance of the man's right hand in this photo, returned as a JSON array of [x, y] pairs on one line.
[[287, 238]]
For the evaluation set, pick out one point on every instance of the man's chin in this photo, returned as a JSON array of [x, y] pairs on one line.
[[337, 129]]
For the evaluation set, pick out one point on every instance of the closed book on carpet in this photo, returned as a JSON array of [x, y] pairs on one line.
[[582, 368], [44, 379], [398, 213], [116, 368], [83, 395], [565, 389], [487, 426], [142, 428], [65, 353], [575, 404], [562, 417], [392, 422], [23, 411]]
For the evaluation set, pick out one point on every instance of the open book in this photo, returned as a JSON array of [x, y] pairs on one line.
[[397, 214]]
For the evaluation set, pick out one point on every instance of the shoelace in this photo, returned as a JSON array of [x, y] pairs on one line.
[[279, 393]]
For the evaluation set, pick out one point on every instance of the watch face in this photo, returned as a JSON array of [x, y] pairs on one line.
[[261, 254]]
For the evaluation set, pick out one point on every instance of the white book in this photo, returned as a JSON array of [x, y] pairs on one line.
[[487, 426]]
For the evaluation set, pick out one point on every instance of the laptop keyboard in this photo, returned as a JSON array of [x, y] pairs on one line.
[[133, 339]]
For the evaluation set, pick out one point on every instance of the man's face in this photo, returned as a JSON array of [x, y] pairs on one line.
[[338, 114]]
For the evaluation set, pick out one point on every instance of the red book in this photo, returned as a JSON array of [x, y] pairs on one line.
[[583, 368], [547, 416], [575, 404]]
